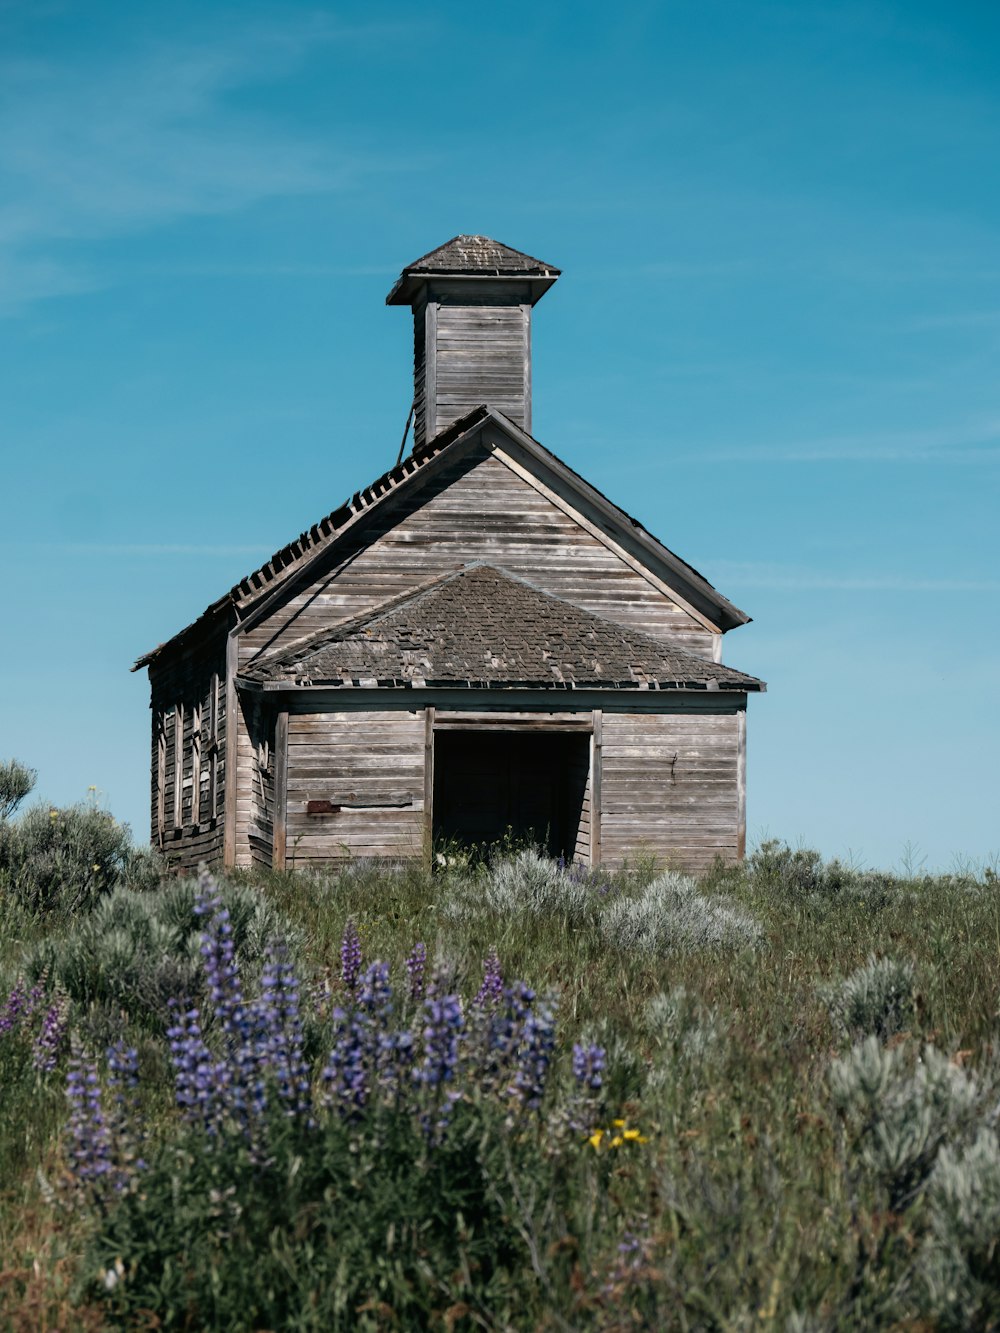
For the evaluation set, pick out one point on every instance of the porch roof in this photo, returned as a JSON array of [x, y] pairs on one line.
[[482, 627]]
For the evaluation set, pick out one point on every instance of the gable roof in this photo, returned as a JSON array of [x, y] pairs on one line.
[[294, 558], [482, 627], [471, 256]]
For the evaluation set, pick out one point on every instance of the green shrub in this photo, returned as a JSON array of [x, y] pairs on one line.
[[900, 1110], [875, 1000], [961, 1257], [524, 884], [135, 952], [64, 859], [16, 782], [670, 916]]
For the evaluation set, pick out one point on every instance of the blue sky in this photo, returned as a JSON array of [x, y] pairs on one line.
[[775, 342]]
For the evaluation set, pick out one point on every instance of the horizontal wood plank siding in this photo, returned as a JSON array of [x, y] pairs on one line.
[[669, 787], [371, 765], [475, 509], [480, 358]]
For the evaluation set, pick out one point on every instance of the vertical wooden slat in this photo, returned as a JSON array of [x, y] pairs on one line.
[[178, 765], [526, 316], [213, 747], [428, 783], [280, 789], [161, 777], [595, 787], [741, 784], [230, 783], [196, 765], [430, 369]]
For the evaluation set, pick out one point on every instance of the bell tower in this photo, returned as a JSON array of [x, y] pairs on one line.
[[472, 300]]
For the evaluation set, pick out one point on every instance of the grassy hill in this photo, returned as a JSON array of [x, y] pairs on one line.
[[765, 1100]]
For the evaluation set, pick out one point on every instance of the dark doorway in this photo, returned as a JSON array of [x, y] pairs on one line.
[[533, 784]]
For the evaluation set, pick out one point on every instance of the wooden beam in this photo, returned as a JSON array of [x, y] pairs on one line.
[[428, 783], [280, 789], [741, 784], [230, 777], [596, 744]]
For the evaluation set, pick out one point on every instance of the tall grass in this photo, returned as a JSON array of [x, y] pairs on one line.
[[796, 1125]]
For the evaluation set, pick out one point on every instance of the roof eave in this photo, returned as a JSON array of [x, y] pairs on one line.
[[409, 283]]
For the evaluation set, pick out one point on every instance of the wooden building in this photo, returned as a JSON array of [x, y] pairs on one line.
[[479, 639]]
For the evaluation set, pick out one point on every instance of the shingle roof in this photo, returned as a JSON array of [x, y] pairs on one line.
[[478, 254], [472, 256], [482, 627]]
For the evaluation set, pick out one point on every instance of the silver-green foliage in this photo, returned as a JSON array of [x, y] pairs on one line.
[[670, 916], [875, 1000], [526, 883], [961, 1256], [900, 1110], [135, 952]]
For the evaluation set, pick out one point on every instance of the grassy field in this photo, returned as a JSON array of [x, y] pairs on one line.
[[766, 1100]]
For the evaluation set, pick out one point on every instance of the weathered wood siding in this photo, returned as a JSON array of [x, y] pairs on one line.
[[188, 829], [581, 852], [669, 786], [369, 764], [474, 509], [482, 356]]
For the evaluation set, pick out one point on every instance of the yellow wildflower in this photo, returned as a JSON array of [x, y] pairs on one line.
[[616, 1142], [634, 1136], [596, 1138], [618, 1124]]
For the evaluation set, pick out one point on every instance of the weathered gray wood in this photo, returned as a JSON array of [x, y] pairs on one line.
[[670, 787], [429, 723], [596, 786], [741, 785], [233, 714], [280, 790]]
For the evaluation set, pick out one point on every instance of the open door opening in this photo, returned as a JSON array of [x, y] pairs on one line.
[[536, 785]]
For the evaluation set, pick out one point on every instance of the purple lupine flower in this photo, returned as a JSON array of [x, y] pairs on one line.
[[90, 1141], [364, 1049], [416, 967], [198, 1080], [13, 1009], [588, 1065], [51, 1034], [346, 1077], [350, 955], [534, 1055], [444, 1029], [125, 1122], [491, 991], [279, 1023], [221, 971]]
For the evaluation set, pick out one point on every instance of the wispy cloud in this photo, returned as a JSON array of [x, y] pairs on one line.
[[966, 442], [156, 549], [98, 149], [751, 574]]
